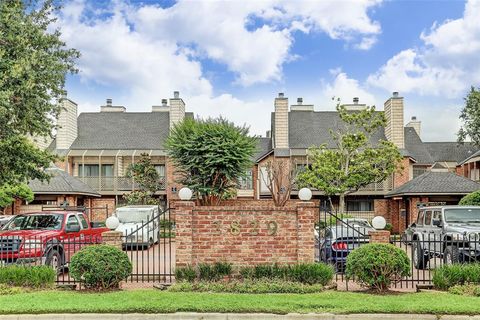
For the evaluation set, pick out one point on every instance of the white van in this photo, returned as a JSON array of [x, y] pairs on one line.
[[139, 225]]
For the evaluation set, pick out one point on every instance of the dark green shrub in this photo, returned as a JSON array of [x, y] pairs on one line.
[[471, 199], [214, 272], [310, 273], [187, 273], [263, 271], [100, 267], [448, 276], [26, 276], [247, 286], [377, 265], [389, 227]]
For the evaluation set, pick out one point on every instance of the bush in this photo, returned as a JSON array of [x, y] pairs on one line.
[[448, 276], [214, 272], [471, 199], [187, 273], [465, 290], [247, 286], [100, 267], [26, 276], [377, 265], [308, 273]]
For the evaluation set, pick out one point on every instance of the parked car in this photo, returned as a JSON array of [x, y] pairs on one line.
[[4, 220], [139, 225], [448, 232], [337, 241], [49, 238]]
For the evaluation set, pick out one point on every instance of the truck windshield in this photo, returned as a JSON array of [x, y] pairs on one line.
[[36, 222], [134, 215], [462, 215]]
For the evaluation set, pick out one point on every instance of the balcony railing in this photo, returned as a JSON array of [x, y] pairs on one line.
[[115, 183], [383, 186]]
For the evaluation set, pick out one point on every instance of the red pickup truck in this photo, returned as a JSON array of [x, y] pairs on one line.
[[49, 238]]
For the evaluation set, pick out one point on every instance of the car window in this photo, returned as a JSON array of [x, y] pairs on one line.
[[428, 217], [35, 222], [83, 221], [72, 220], [437, 217], [420, 218]]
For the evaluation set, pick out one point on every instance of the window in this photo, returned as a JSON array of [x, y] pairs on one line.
[[428, 217], [246, 182], [36, 222], [420, 218], [92, 170], [418, 171], [437, 218], [160, 168], [359, 205], [83, 221], [72, 221]]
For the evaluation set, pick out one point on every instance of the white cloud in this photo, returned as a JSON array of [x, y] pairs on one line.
[[346, 89], [446, 65]]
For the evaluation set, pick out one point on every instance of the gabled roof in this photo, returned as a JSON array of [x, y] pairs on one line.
[[61, 183], [416, 147], [122, 130], [264, 147], [312, 128], [450, 151], [436, 183]]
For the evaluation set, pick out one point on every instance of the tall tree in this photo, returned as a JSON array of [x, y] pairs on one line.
[[470, 116], [146, 178], [210, 155], [355, 161], [33, 65]]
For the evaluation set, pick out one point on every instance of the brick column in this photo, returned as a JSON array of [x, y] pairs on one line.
[[112, 238], [379, 236], [183, 213], [305, 232]]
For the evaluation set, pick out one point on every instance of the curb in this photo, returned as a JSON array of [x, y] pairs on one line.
[[234, 316]]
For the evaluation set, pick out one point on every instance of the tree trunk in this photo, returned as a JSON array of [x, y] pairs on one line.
[[341, 203]]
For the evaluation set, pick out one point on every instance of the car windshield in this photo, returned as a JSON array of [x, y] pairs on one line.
[[462, 215], [134, 215], [36, 222]]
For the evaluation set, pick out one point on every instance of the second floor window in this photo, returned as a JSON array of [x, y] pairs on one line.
[[160, 168], [359, 205], [93, 170], [246, 182]]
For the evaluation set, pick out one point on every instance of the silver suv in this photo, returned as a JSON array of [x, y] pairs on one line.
[[448, 232]]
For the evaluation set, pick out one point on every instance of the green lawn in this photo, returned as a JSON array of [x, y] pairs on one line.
[[155, 301]]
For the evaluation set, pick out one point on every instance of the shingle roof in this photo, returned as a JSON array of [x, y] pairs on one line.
[[450, 151], [61, 183], [264, 146], [311, 128], [416, 147], [431, 183], [122, 130]]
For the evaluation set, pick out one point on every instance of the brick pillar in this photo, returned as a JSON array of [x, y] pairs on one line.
[[305, 232], [379, 236], [183, 213], [112, 238]]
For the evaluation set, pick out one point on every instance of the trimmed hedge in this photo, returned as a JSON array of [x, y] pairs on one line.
[[204, 272], [377, 265], [448, 276], [247, 286], [28, 276], [100, 267]]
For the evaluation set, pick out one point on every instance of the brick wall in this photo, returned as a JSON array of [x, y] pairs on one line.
[[244, 235], [403, 175], [382, 208], [98, 213], [171, 181]]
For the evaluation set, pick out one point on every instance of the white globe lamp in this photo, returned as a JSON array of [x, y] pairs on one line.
[[379, 223], [185, 194], [112, 223], [305, 194]]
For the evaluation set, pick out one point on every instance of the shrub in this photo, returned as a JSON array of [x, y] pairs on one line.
[[308, 273], [247, 286], [448, 276], [471, 199], [187, 273], [465, 290], [28, 276], [100, 267], [214, 272], [377, 265]]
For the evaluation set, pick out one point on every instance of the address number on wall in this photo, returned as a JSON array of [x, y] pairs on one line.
[[253, 227]]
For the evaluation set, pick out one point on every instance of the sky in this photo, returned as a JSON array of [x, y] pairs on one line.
[[232, 58]]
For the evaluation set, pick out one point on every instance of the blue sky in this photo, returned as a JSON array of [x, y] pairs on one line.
[[232, 58]]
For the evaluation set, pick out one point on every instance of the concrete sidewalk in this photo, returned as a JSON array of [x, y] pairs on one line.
[[233, 316]]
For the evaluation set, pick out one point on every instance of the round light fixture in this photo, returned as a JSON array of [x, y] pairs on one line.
[[112, 223], [185, 194], [305, 194], [379, 223]]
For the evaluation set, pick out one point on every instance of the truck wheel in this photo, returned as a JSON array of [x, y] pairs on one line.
[[451, 255], [54, 260], [419, 258]]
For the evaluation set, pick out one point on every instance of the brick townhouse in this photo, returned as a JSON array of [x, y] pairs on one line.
[[99, 146]]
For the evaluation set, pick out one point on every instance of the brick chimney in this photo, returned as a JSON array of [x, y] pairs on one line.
[[177, 109], [66, 123], [394, 114], [280, 138], [415, 124]]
